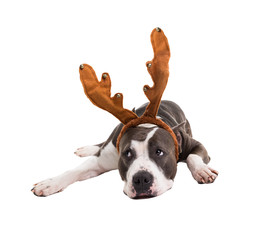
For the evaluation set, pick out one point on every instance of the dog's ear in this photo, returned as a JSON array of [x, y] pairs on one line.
[[177, 130]]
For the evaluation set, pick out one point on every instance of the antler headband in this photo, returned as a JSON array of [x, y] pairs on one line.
[[99, 93]]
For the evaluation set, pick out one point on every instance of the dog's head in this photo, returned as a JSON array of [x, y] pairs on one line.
[[147, 163]]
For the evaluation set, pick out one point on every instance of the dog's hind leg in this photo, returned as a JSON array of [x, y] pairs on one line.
[[106, 160]]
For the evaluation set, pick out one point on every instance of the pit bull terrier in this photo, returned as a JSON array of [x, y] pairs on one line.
[[148, 143], [145, 159]]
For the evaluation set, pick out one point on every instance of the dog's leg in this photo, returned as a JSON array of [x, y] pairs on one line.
[[196, 157], [94, 166], [194, 154], [201, 172]]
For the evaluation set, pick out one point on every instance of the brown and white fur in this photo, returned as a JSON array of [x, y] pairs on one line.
[[146, 160]]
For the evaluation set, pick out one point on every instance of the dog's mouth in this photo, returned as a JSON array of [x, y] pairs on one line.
[[144, 196]]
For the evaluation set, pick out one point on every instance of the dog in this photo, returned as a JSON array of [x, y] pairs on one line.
[[145, 160], [148, 143]]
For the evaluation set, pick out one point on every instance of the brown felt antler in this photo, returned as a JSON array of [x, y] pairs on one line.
[[99, 94], [159, 70]]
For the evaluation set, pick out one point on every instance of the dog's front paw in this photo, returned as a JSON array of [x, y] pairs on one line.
[[48, 187], [87, 151], [204, 174]]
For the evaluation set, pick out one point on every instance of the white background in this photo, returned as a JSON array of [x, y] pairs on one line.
[[218, 75]]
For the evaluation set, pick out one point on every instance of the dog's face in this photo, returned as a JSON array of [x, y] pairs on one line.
[[147, 161]]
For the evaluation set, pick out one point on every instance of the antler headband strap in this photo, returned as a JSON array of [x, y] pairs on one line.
[[155, 121], [99, 93]]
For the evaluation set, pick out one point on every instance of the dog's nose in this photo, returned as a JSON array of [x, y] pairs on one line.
[[142, 181]]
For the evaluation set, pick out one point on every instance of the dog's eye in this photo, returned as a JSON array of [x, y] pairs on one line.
[[128, 153], [159, 152]]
